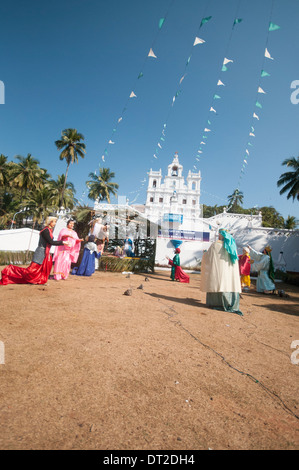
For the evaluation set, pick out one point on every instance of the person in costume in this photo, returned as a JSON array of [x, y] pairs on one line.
[[64, 256], [128, 248], [220, 277], [100, 232], [87, 265], [244, 268], [177, 274], [263, 264], [41, 265]]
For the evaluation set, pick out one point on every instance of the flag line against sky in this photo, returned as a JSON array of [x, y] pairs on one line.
[[73, 63]]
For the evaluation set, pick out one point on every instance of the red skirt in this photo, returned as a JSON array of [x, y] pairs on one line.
[[180, 275], [34, 274]]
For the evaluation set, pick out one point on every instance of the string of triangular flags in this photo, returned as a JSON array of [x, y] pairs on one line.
[[258, 105], [151, 55], [217, 94], [162, 138], [197, 41]]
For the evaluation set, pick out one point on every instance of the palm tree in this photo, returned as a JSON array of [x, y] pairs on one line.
[[235, 199], [83, 215], [63, 192], [39, 204], [27, 174], [4, 171], [72, 147], [291, 222], [290, 179], [100, 186]]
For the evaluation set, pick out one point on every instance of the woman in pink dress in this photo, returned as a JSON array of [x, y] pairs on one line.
[[65, 255]]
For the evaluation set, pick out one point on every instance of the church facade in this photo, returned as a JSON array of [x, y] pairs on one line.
[[172, 199]]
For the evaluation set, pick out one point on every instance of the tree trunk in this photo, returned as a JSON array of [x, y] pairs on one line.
[[64, 185]]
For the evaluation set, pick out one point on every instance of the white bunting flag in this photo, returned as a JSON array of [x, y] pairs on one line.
[[103, 158], [159, 145], [202, 143], [226, 61], [132, 95], [267, 54], [110, 142], [220, 83], [247, 151], [212, 109], [155, 156], [256, 116], [199, 151], [252, 135], [198, 41], [182, 78], [151, 54], [260, 90], [120, 119], [207, 130]]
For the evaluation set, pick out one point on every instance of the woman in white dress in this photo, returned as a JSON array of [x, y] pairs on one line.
[[263, 264]]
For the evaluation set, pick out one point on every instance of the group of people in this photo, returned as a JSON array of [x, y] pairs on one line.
[[223, 273], [67, 249]]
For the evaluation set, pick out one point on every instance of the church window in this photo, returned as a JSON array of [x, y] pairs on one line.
[[160, 199], [193, 202], [184, 201], [154, 184], [151, 199]]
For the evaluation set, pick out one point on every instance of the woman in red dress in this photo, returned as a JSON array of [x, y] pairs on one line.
[[41, 265]]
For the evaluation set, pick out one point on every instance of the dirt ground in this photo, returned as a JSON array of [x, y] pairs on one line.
[[87, 367]]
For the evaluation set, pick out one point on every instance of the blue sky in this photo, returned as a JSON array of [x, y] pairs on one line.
[[74, 63]]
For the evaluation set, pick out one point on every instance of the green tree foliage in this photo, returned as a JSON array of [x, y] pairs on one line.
[[100, 187], [291, 223], [235, 200], [290, 180], [71, 148]]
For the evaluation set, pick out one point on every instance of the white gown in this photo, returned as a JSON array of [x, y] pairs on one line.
[[218, 273], [262, 264]]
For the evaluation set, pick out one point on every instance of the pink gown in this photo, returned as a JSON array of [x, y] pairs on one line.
[[65, 255]]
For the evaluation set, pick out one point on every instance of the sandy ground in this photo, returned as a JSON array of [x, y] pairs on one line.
[[87, 367]]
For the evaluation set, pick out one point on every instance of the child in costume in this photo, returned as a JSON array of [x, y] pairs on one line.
[[87, 265], [177, 274], [244, 268]]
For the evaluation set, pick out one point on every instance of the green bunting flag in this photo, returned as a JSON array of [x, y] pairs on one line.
[[273, 26], [264, 74], [205, 20], [258, 105], [140, 75], [237, 21], [216, 97], [161, 22]]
